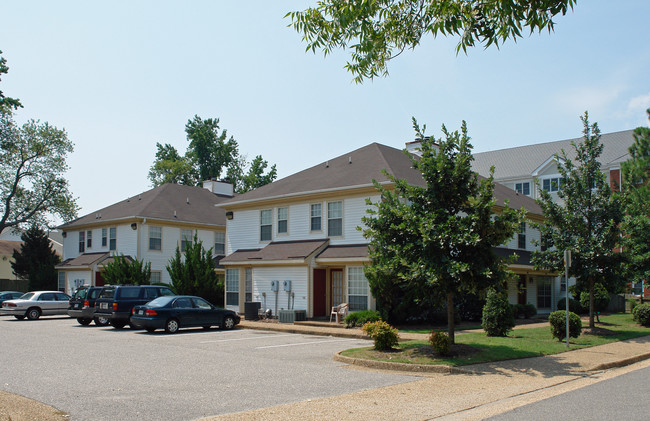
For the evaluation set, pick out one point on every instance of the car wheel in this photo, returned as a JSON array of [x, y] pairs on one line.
[[117, 324], [33, 313], [83, 321], [228, 323], [151, 329], [20, 317], [101, 321], [171, 326]]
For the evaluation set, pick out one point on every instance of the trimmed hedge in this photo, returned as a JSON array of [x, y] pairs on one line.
[[641, 314], [557, 319], [360, 318], [440, 342], [384, 335], [498, 318]]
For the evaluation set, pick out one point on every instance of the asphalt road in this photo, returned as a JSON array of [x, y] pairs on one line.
[[625, 397], [100, 373]]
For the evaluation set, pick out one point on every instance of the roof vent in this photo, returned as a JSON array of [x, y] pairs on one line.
[[327, 164], [349, 160], [139, 197], [187, 200], [174, 214]]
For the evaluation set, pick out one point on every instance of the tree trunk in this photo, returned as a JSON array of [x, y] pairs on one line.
[[591, 303], [450, 316]]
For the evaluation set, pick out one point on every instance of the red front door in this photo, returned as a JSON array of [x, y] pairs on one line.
[[99, 279], [320, 288]]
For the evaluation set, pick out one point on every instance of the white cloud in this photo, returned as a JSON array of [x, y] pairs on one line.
[[636, 109]]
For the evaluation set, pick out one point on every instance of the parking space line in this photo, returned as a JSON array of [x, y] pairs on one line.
[[305, 343], [244, 339]]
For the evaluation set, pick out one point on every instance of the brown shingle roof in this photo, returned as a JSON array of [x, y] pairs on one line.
[[172, 202], [8, 247], [285, 250], [86, 259], [359, 168], [345, 251]]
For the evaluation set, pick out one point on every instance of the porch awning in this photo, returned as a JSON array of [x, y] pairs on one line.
[[344, 252], [86, 261], [283, 251]]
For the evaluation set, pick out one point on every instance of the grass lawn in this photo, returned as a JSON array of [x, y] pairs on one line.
[[472, 348]]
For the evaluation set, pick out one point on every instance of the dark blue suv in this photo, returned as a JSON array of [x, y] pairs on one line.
[[116, 302]]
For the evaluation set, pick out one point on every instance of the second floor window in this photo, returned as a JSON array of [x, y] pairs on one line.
[[186, 239], [89, 239], [334, 219], [283, 220], [104, 237], [266, 225], [112, 239], [521, 237], [82, 241], [219, 243], [552, 184], [523, 188], [155, 238], [315, 214]]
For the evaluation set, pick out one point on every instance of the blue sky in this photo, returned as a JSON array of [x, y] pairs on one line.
[[120, 76]]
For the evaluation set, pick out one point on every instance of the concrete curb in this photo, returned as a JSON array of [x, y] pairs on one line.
[[411, 368], [344, 334], [620, 363]]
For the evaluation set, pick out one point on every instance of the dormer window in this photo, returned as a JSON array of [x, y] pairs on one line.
[[523, 188], [553, 184]]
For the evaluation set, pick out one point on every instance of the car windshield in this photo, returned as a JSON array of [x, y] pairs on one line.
[[27, 296], [159, 302]]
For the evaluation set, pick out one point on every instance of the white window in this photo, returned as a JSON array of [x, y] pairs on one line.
[[219, 243], [232, 287], [357, 289], [89, 239], [112, 239], [155, 278], [249, 284], [186, 239], [283, 220], [62, 281], [315, 217], [544, 292], [553, 184], [82, 241], [155, 238], [104, 237], [334, 219], [266, 225], [523, 188]]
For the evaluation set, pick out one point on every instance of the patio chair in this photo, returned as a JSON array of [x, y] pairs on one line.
[[339, 311]]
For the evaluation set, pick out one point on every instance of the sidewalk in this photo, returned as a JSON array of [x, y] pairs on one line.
[[477, 392]]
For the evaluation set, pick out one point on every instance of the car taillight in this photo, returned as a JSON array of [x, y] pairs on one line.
[[114, 306], [9, 304], [86, 303], [150, 312]]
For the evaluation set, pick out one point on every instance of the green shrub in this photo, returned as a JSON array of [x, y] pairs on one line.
[[557, 319], [440, 342], [384, 335], [633, 303], [529, 311], [360, 318], [641, 314], [574, 306], [498, 319], [601, 298], [518, 310]]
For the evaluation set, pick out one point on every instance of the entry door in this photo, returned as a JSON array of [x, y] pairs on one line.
[[337, 286], [521, 287], [320, 292]]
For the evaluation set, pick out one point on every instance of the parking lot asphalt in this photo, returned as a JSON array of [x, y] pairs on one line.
[[100, 373]]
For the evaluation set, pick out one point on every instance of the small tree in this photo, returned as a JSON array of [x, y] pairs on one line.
[[192, 272], [36, 260], [433, 240], [126, 270], [587, 222], [557, 320], [498, 318]]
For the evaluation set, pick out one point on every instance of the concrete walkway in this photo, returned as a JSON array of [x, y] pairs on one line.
[[480, 391]]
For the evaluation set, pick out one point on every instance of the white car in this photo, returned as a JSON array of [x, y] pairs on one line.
[[36, 304]]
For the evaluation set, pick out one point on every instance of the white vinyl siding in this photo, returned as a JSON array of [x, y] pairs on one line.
[[298, 276]]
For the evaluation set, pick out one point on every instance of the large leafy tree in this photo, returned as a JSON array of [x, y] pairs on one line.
[[7, 102], [636, 191], [36, 260], [376, 31], [192, 272], [586, 220], [210, 154], [435, 241], [126, 270], [32, 168]]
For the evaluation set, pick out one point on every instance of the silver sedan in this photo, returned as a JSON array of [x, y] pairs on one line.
[[36, 304]]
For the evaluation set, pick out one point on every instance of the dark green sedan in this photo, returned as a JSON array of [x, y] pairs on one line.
[[179, 311]]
